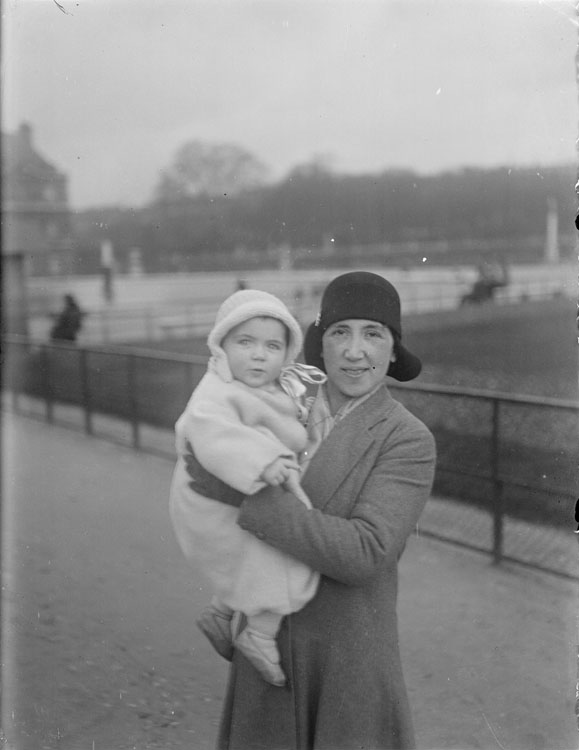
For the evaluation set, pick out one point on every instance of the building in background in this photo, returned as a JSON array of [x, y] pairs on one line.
[[35, 211], [36, 236]]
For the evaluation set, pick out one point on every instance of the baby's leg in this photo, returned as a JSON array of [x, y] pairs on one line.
[[293, 485], [215, 623], [257, 643], [265, 623], [221, 607]]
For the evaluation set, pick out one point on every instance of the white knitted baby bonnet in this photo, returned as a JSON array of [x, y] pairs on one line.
[[241, 306]]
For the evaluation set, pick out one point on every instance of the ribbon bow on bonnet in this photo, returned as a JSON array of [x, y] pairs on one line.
[[293, 378]]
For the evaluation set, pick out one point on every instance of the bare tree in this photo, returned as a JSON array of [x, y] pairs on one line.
[[211, 169]]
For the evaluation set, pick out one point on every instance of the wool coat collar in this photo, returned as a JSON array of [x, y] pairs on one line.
[[344, 447]]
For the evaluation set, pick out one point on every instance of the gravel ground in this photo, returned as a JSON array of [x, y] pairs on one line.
[[100, 650]]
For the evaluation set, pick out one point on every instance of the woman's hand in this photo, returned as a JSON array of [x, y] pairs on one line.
[[352, 548]]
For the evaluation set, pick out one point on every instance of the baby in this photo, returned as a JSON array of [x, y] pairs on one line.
[[245, 425]]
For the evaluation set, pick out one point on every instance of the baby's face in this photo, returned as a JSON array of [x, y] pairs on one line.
[[256, 351]]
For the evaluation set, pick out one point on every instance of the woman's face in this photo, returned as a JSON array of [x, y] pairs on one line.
[[357, 355]]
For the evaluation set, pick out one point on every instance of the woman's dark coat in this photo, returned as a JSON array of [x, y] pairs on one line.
[[368, 483]]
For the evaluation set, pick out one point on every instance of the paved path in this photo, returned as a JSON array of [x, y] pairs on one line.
[[100, 651]]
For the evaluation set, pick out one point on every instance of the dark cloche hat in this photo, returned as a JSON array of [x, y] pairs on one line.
[[365, 296]]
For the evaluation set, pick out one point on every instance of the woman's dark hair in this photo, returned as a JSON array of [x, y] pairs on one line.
[[397, 342]]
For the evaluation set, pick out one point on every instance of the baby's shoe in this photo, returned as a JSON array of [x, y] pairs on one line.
[[216, 625], [261, 651]]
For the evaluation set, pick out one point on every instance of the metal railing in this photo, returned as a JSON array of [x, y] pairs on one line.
[[158, 322], [532, 454], [512, 458]]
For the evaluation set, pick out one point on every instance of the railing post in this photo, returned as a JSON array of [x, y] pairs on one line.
[[105, 326], [47, 387], [17, 374], [149, 324], [498, 511], [132, 399], [85, 391]]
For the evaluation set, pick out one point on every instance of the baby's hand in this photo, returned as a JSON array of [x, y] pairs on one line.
[[279, 470], [292, 482]]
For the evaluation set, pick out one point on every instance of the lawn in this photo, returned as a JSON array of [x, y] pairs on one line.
[[530, 348]]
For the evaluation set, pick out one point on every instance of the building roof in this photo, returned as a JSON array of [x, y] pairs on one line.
[[29, 181], [19, 156]]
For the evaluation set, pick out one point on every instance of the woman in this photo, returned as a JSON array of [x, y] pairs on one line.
[[369, 475]]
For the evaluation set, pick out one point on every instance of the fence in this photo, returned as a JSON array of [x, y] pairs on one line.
[[506, 458], [173, 319]]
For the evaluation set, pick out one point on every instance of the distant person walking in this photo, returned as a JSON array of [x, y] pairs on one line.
[[68, 322]]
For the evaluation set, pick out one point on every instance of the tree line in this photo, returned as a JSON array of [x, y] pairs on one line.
[[214, 207]]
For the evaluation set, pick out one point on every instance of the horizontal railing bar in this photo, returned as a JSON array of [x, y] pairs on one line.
[[205, 312], [120, 350], [506, 558], [446, 390], [452, 540], [514, 398], [565, 491], [543, 568]]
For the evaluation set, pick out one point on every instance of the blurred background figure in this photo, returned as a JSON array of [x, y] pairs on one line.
[[68, 322], [491, 276], [107, 270]]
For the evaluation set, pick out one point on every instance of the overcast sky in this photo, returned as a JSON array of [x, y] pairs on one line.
[[113, 88]]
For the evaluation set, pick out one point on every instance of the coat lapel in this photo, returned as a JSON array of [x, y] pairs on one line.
[[342, 450]]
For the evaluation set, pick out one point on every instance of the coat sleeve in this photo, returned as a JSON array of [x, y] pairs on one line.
[[206, 484], [225, 446], [352, 550]]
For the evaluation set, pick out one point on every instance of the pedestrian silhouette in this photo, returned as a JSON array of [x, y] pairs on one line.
[[68, 322]]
